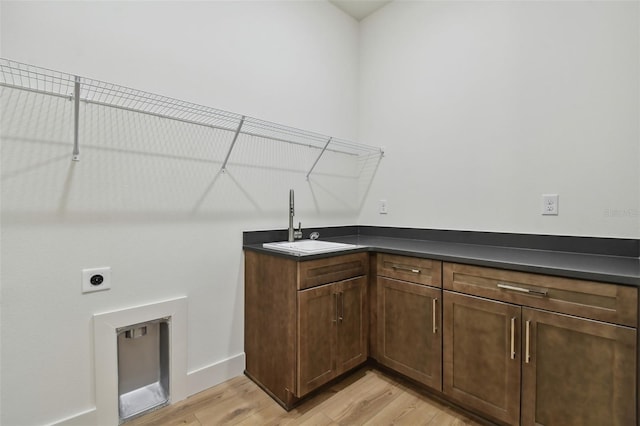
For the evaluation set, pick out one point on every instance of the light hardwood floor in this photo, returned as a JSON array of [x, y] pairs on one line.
[[366, 397]]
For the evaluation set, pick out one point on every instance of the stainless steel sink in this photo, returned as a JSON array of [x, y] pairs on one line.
[[302, 247]]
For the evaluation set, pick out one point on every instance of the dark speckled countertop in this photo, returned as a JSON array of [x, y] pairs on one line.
[[587, 266]]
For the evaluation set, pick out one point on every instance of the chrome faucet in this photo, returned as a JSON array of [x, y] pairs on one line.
[[294, 234]]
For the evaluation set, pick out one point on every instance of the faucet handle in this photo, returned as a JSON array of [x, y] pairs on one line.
[[297, 234]]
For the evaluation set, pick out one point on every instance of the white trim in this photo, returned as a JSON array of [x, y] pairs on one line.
[[197, 381], [85, 418], [216, 373], [106, 352]]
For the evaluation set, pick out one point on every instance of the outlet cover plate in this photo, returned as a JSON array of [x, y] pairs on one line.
[[382, 207], [96, 279], [550, 204]]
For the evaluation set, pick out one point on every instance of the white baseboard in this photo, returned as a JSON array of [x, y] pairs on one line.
[[197, 381], [214, 374], [85, 418]]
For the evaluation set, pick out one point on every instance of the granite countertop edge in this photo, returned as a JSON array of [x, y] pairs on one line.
[[610, 269]]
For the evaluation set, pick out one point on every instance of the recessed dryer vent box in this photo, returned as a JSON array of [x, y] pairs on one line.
[[143, 368]]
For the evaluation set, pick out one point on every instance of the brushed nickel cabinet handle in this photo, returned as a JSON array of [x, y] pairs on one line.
[[536, 292], [513, 338], [406, 268], [433, 309], [527, 356], [341, 317], [335, 301]]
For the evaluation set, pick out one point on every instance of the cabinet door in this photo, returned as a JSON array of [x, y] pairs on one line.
[[352, 324], [317, 323], [409, 336], [482, 355], [578, 372]]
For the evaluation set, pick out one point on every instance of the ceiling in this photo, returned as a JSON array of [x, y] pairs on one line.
[[359, 9]]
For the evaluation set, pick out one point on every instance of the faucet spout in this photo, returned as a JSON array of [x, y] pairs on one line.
[[294, 234], [291, 214]]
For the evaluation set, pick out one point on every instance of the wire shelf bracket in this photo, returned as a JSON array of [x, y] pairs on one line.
[[17, 75], [76, 119], [318, 159], [223, 169]]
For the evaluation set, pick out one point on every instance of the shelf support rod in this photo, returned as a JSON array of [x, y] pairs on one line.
[[317, 159], [235, 138], [76, 118]]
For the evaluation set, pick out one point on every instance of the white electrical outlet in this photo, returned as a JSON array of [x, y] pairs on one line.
[[382, 207], [550, 204], [96, 279]]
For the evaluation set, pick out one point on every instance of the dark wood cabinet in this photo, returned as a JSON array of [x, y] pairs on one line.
[[553, 368], [306, 322], [577, 371], [482, 355], [332, 322], [409, 332], [518, 348]]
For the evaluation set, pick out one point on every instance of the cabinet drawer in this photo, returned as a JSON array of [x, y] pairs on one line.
[[412, 269], [605, 302], [322, 271]]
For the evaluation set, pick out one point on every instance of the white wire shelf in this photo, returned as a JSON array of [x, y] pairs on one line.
[[81, 89]]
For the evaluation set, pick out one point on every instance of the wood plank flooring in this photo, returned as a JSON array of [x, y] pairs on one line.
[[366, 397]]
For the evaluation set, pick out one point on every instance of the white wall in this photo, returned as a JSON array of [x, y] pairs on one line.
[[146, 198], [484, 106]]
